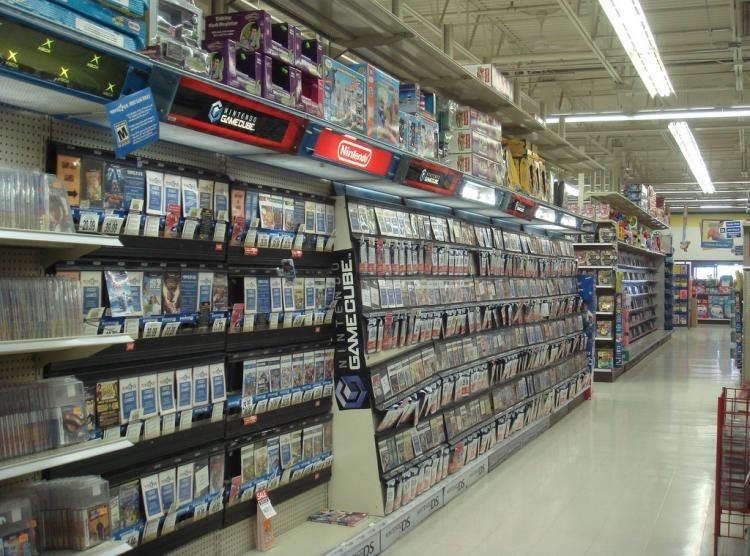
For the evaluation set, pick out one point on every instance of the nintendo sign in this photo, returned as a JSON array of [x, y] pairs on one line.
[[348, 151]]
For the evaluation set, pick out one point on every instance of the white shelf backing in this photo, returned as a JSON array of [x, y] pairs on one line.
[[621, 245], [108, 548], [62, 456], [644, 343], [76, 347], [623, 204]]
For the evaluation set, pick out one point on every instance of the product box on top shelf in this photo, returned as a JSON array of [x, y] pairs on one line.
[[135, 28], [281, 82], [414, 100], [344, 96], [132, 8], [175, 20], [381, 103], [177, 54], [602, 211], [492, 76], [308, 54], [236, 67], [76, 22], [470, 118], [470, 141], [311, 94], [428, 144], [481, 167], [254, 31], [418, 135]]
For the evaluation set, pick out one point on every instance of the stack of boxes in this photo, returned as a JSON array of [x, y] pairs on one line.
[[344, 97], [645, 197], [475, 143], [527, 171], [118, 23], [381, 103], [175, 30], [493, 77], [418, 129]]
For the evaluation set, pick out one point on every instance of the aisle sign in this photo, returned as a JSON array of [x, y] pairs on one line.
[[134, 122], [732, 229]]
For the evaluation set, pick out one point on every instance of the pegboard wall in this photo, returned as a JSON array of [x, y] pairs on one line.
[[240, 537]]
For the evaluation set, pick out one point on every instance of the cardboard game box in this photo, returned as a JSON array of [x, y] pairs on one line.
[[382, 104], [344, 96]]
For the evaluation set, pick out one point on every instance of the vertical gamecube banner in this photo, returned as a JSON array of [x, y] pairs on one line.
[[352, 381]]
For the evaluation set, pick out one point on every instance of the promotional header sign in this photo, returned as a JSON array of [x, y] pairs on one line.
[[351, 152], [714, 235], [521, 207], [204, 107], [431, 176]]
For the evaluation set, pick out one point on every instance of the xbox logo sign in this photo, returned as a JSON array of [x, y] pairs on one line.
[[215, 112], [351, 392]]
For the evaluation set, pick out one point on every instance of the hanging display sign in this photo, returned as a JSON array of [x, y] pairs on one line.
[[431, 176], [346, 150], [203, 107], [352, 384], [133, 121]]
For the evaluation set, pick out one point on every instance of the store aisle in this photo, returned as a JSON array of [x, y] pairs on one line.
[[630, 472]]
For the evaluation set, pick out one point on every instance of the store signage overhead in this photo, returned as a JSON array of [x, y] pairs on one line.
[[521, 207], [732, 229], [203, 107], [351, 152], [431, 177]]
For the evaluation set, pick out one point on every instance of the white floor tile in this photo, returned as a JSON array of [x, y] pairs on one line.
[[631, 472]]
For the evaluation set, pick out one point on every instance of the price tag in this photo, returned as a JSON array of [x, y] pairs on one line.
[[329, 243], [112, 433], [216, 505], [296, 397], [188, 229], [320, 243], [273, 403], [327, 390], [200, 511], [217, 413], [112, 225], [317, 392], [319, 318], [264, 504], [186, 419], [89, 222], [168, 423], [307, 396], [251, 237], [222, 215], [152, 330], [132, 327], [219, 325], [329, 315], [309, 317], [152, 428], [170, 329], [248, 324], [133, 432], [150, 531], [288, 319], [133, 224], [151, 228], [299, 240], [273, 321], [112, 328], [220, 231], [286, 242], [136, 205], [169, 523], [286, 400]]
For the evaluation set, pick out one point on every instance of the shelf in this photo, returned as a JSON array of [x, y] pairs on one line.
[[75, 347], [621, 203], [632, 295], [371, 31], [605, 286], [54, 458], [596, 267], [641, 335], [59, 246], [639, 281], [633, 267], [594, 244], [622, 246], [713, 321], [605, 314], [603, 339], [107, 548]]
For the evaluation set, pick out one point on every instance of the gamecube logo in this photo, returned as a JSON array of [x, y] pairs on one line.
[[215, 112]]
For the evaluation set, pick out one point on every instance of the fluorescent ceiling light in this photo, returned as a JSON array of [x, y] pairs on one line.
[[685, 140], [570, 190], [650, 116], [629, 22], [549, 227], [713, 207]]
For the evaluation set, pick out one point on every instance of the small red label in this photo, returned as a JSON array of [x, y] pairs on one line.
[[351, 152], [251, 251], [296, 254], [317, 476], [219, 247], [130, 346], [251, 420], [317, 330], [317, 403]]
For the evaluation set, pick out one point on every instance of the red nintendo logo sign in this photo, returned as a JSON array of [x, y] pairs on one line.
[[348, 151], [354, 154]]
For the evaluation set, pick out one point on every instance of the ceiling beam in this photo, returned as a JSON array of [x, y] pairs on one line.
[[578, 24]]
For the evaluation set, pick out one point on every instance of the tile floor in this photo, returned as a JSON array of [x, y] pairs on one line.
[[630, 472]]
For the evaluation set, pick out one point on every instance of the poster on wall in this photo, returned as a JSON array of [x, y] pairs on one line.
[[714, 235]]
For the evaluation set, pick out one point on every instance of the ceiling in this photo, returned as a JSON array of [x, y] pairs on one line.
[[567, 59]]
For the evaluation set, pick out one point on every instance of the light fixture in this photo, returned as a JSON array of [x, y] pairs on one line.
[[651, 116], [568, 221], [629, 22], [545, 213], [711, 207], [685, 140], [570, 190], [480, 193]]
